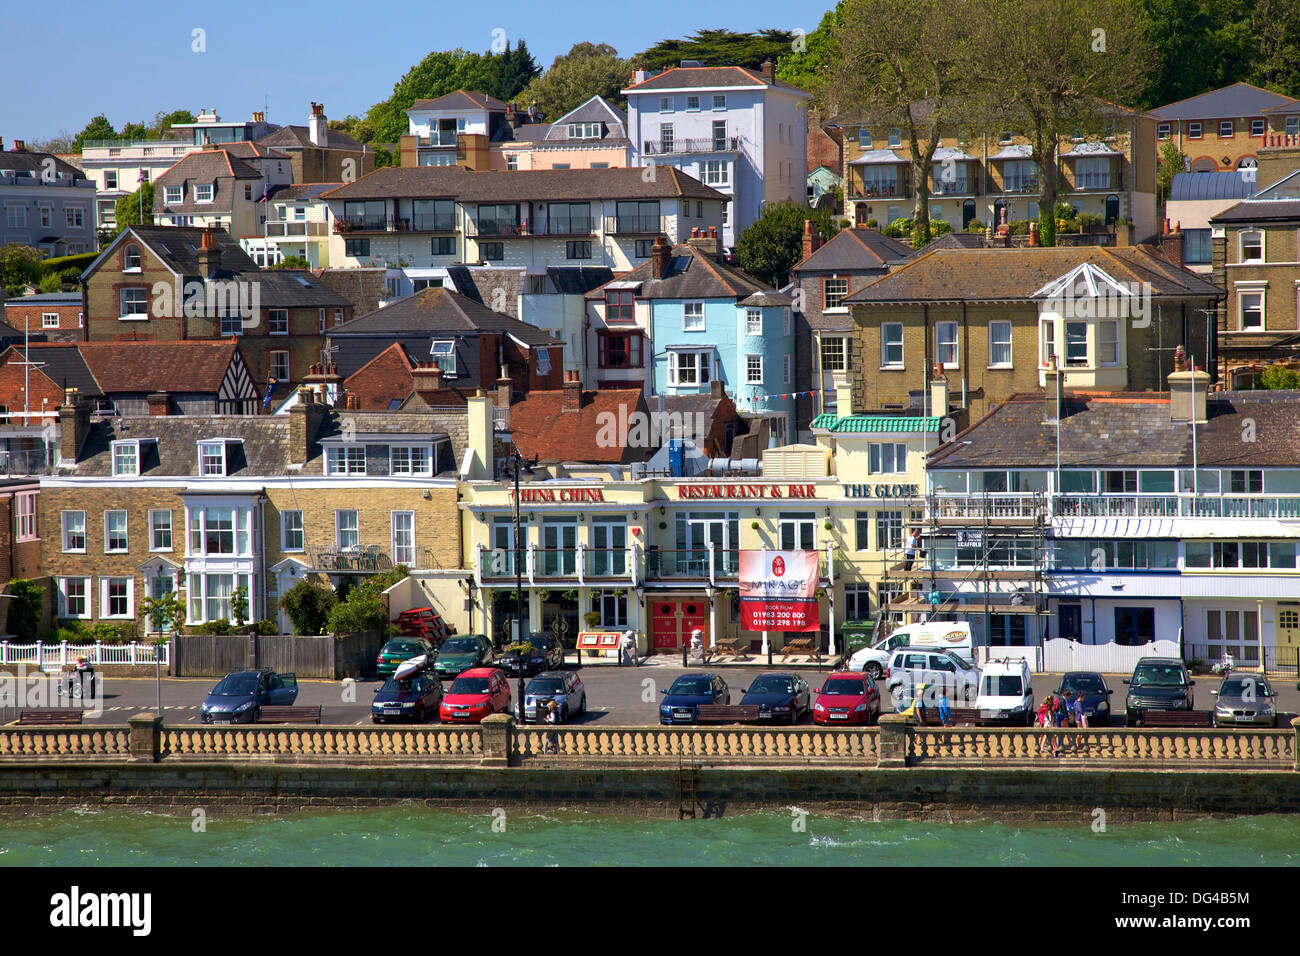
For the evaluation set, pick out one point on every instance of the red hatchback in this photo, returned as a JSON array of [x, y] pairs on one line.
[[847, 697], [475, 694]]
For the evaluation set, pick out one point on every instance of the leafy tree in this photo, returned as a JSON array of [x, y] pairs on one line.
[[60, 142], [134, 131], [772, 244], [308, 605], [127, 208], [383, 157], [1279, 376], [809, 68], [50, 283], [718, 48], [509, 72], [97, 128], [164, 613], [587, 70], [19, 267], [363, 608], [1171, 162], [24, 609], [162, 122]]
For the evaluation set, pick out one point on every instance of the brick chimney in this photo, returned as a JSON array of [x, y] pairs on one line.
[[1123, 234], [660, 253], [74, 423], [812, 239], [160, 403], [325, 379], [20, 146], [427, 380], [318, 130], [305, 419], [710, 246], [1033, 235], [768, 71], [504, 391], [572, 392], [1172, 243], [208, 254], [1187, 390], [939, 392]]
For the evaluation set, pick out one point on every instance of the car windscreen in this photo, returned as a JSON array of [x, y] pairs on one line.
[[411, 684], [460, 645], [236, 685], [546, 685], [842, 687], [541, 641], [1004, 685], [402, 647], [772, 685], [1245, 687], [1083, 684], [692, 685], [469, 685], [1165, 674]]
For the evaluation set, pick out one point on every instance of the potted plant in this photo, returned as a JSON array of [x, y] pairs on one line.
[[754, 525], [827, 524], [592, 618]]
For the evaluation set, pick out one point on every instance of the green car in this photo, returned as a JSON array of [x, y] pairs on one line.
[[460, 653], [401, 649]]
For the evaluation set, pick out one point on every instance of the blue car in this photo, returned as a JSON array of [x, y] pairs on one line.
[[1096, 695], [241, 695], [681, 705], [778, 697]]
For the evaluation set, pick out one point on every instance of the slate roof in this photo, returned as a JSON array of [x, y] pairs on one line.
[[691, 275], [292, 137], [854, 249], [578, 280], [245, 150], [1003, 275], [595, 110], [441, 310], [1194, 187], [62, 363], [1130, 430], [1261, 210], [298, 191], [541, 427], [1238, 99], [29, 162], [46, 298], [705, 77], [954, 240], [178, 247], [875, 424], [460, 100], [363, 288], [522, 185], [296, 289]]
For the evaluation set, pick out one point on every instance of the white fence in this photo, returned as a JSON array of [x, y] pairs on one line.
[[56, 655], [1060, 654]]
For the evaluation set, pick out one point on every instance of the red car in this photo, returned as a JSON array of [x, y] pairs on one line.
[[847, 697], [475, 694]]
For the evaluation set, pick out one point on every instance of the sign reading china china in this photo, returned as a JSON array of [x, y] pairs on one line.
[[746, 491], [535, 495], [778, 591]]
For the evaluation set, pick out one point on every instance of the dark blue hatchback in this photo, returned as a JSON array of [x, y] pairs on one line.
[[681, 705], [1096, 695]]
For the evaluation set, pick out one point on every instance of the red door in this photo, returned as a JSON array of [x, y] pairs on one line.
[[663, 625], [695, 614]]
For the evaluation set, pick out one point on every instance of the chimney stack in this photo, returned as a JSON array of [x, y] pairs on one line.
[[1187, 391], [159, 404], [1033, 235], [843, 399], [318, 130], [572, 392], [1052, 391], [939, 392], [305, 419], [660, 253], [209, 256], [74, 424], [768, 71], [710, 246], [1123, 234], [812, 239], [20, 146], [427, 380], [505, 390], [1172, 244], [325, 378]]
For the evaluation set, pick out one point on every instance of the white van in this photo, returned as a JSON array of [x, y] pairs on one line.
[[1006, 692], [952, 636]]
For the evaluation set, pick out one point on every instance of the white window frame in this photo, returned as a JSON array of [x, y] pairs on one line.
[[1104, 343], [120, 448], [205, 452], [342, 460], [444, 350], [75, 216], [699, 367], [864, 138], [126, 316], [719, 101], [1241, 310], [49, 320], [1162, 131], [273, 327], [665, 104], [204, 192], [1232, 129], [340, 528], [63, 526], [692, 104], [886, 458], [397, 548], [1261, 124], [753, 321], [693, 316], [25, 516], [105, 603], [155, 527], [285, 529], [402, 460], [1241, 245], [886, 344], [946, 350], [173, 195], [1047, 343], [86, 596], [996, 342], [753, 369], [280, 359], [126, 531], [716, 172], [1291, 126], [836, 349]]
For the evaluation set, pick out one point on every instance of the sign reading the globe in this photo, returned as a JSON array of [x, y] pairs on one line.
[[778, 591]]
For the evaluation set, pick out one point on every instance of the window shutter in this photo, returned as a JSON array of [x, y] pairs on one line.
[[672, 368]]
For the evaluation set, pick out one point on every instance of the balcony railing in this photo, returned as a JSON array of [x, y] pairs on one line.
[[33, 461], [498, 229], [361, 224], [498, 564], [1185, 505], [1020, 184], [956, 187], [357, 559], [570, 227], [990, 506], [605, 562], [692, 564], [1105, 506], [437, 140], [428, 223], [879, 191], [35, 179], [636, 225], [710, 144], [276, 229]]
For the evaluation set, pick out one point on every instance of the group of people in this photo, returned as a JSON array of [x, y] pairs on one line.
[[1060, 710]]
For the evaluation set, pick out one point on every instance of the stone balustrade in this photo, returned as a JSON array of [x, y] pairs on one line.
[[208, 742], [731, 744], [40, 743]]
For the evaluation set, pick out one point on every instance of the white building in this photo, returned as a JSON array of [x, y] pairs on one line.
[[742, 132]]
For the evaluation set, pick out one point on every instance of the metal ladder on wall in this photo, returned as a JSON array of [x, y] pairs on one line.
[[688, 788]]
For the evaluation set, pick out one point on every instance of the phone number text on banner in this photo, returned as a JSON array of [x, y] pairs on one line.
[[756, 615]]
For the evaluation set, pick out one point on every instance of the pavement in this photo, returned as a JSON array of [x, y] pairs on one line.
[[619, 696]]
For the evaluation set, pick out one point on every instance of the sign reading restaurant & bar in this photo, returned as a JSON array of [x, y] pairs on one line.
[[746, 491]]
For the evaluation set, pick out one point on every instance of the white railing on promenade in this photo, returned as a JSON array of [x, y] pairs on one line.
[[41, 654]]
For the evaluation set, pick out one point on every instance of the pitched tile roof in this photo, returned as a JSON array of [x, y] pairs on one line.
[[1260, 210], [456, 182], [691, 275], [178, 247], [1130, 429], [60, 362], [25, 161], [1238, 99], [1002, 275], [383, 379], [542, 427], [206, 166], [441, 310], [246, 150], [460, 100], [705, 77], [292, 137], [851, 249], [191, 365]]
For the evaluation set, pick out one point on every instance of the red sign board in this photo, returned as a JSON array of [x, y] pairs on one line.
[[778, 591]]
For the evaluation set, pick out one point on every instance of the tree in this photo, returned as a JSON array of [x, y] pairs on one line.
[[163, 122], [910, 70], [19, 267], [587, 70], [97, 128], [772, 244], [127, 208], [24, 619], [308, 606], [60, 142], [718, 48], [509, 72], [809, 68], [1077, 59], [1172, 161], [292, 262]]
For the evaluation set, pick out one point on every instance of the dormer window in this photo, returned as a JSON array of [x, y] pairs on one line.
[[203, 192], [444, 353], [410, 460], [131, 258], [346, 460], [173, 195], [212, 459], [586, 130], [126, 459]]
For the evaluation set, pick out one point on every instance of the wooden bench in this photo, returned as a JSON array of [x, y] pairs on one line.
[[726, 713], [961, 717], [38, 717], [800, 645], [289, 715], [1176, 718], [735, 646]]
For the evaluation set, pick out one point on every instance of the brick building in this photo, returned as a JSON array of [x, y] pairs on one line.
[[57, 316]]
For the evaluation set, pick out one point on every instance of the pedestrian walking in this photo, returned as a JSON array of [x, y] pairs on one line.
[[1060, 717], [945, 714], [552, 738], [1044, 720]]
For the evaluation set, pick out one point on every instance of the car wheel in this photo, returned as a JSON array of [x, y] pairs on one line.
[[376, 720], [874, 670]]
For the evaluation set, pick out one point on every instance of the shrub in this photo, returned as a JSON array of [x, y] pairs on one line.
[[872, 224], [25, 608], [974, 226], [220, 626], [1018, 227], [107, 632], [363, 608], [60, 264], [898, 228], [267, 626], [1089, 220], [308, 605], [1279, 376]]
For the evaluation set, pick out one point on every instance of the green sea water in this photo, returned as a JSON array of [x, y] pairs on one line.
[[414, 836]]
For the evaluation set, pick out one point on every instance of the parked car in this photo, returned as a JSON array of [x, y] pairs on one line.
[[401, 649], [1006, 693], [1096, 695], [778, 697], [461, 653], [952, 636], [1245, 700], [547, 655], [1158, 683], [563, 687], [681, 705], [910, 668], [474, 695], [240, 696], [414, 699], [847, 697]]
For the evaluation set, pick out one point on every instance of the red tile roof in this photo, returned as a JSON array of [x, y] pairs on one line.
[[384, 378], [184, 366], [542, 428]]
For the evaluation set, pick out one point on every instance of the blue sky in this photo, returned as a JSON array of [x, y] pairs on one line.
[[131, 60]]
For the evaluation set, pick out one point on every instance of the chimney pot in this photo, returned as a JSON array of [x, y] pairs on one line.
[[660, 253]]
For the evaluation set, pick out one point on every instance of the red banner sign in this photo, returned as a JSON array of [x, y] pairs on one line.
[[778, 591]]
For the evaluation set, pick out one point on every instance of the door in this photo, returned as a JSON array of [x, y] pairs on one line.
[[559, 544], [967, 213], [671, 623], [1112, 209], [1069, 622], [1288, 633], [608, 555], [663, 626], [282, 690], [159, 587]]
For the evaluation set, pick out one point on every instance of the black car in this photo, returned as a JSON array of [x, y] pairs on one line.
[[1096, 695], [547, 654], [241, 695], [778, 697], [414, 699], [1158, 683]]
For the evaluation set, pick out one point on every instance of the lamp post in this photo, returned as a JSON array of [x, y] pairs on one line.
[[518, 464]]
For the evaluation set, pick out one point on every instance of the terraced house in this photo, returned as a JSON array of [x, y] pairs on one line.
[[200, 506], [47, 204]]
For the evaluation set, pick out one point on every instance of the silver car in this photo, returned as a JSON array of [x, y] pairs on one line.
[[1245, 700], [563, 687]]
